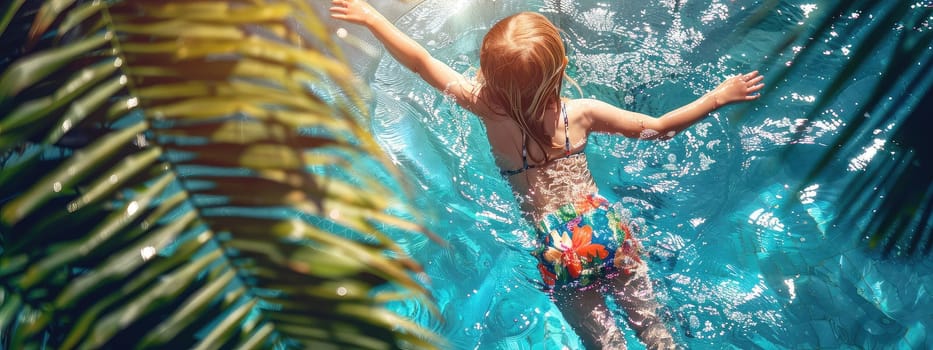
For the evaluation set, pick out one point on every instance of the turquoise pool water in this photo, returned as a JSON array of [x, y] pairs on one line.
[[740, 258]]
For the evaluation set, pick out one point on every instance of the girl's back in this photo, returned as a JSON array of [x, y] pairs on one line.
[[542, 187]]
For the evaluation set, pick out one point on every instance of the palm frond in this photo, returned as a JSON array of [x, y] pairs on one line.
[[183, 174]]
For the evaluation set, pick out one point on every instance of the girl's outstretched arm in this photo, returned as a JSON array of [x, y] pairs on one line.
[[408, 52], [608, 118]]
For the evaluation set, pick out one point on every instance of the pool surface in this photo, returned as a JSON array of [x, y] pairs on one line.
[[739, 257]]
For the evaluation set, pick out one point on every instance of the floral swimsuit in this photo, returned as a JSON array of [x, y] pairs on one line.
[[580, 242]]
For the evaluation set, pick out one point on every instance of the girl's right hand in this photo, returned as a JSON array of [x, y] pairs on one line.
[[353, 11]]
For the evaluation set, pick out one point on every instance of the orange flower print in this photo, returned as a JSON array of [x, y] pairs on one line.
[[573, 250], [588, 203]]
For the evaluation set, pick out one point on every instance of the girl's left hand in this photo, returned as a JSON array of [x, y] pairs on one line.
[[742, 87]]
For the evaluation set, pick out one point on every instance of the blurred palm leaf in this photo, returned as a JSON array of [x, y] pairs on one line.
[[895, 192], [181, 174]]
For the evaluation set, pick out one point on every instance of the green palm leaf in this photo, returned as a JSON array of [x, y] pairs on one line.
[[184, 174]]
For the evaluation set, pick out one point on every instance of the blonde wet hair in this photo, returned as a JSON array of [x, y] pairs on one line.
[[522, 69]]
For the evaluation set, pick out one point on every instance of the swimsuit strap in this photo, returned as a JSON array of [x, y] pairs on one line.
[[524, 152], [525, 165], [563, 109]]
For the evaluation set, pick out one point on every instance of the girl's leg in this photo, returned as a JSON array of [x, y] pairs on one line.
[[587, 313], [633, 293]]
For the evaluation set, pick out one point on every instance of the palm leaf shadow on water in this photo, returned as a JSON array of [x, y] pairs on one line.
[[896, 186], [193, 175]]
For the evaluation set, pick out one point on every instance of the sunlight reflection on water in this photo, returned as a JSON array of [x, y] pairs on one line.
[[738, 257]]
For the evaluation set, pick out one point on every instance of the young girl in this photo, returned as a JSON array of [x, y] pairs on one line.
[[585, 248]]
